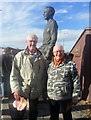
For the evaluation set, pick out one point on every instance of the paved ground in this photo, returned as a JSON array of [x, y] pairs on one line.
[[78, 111]]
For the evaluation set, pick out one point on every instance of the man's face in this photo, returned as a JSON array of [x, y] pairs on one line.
[[47, 14], [58, 53], [31, 43]]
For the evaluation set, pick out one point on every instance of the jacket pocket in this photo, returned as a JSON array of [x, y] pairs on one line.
[[62, 89]]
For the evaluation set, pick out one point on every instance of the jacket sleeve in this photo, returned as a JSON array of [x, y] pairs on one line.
[[15, 76], [76, 82]]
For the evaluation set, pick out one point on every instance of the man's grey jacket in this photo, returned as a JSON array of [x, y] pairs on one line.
[[28, 74]]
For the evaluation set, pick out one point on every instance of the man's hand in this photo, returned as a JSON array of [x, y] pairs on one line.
[[17, 95]]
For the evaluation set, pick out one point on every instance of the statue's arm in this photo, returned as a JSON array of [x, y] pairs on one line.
[[54, 32], [53, 38]]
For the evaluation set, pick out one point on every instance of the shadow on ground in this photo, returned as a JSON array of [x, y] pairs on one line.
[[43, 110], [83, 119]]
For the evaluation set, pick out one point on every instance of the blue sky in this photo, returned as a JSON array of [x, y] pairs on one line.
[[22, 18]]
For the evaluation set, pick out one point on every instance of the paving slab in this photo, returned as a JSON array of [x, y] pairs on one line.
[[43, 110]]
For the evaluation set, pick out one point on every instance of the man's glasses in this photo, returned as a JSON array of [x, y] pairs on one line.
[[33, 41], [60, 51]]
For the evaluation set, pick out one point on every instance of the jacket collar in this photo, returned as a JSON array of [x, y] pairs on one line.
[[26, 52]]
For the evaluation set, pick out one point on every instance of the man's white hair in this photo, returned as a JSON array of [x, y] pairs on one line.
[[32, 36], [58, 46]]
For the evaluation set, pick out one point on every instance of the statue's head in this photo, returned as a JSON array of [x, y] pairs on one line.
[[48, 12]]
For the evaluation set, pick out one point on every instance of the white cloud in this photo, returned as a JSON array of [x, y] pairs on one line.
[[20, 23], [79, 16], [82, 16], [68, 38], [0, 6], [70, 6], [15, 17], [61, 21], [12, 13], [18, 40], [61, 11], [85, 5], [70, 17]]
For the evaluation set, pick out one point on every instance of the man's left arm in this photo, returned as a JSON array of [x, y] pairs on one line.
[[76, 84]]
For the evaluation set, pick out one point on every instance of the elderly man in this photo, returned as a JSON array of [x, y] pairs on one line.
[[50, 33], [63, 85], [27, 77]]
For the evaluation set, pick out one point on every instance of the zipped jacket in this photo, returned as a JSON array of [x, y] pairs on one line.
[[63, 81], [28, 74]]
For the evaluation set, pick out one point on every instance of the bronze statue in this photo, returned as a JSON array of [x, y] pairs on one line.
[[50, 33]]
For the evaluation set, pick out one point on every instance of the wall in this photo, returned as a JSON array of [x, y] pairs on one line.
[[82, 57]]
